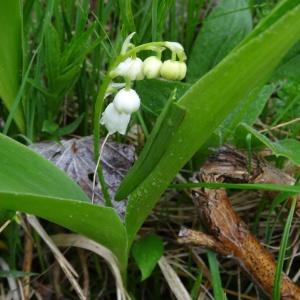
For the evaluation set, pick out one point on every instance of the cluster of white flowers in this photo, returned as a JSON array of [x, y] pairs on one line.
[[117, 114]]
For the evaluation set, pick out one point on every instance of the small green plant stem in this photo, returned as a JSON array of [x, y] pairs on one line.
[[283, 246], [105, 192]]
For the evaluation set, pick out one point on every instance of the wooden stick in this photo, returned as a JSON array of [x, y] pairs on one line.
[[228, 234], [231, 165]]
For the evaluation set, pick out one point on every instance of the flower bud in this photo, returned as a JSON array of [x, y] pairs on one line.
[[131, 68], [114, 121], [175, 46], [127, 101], [177, 49], [182, 72], [151, 67], [136, 69], [173, 70], [122, 68]]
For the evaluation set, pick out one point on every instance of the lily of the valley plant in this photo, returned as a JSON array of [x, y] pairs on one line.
[[126, 101], [117, 114]]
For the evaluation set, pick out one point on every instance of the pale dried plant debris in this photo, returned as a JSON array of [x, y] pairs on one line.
[[14, 292], [173, 280], [75, 240], [76, 157], [61, 260]]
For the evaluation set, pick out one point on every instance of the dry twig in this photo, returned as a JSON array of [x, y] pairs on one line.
[[228, 234], [27, 262]]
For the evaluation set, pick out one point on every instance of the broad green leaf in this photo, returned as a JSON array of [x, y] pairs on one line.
[[155, 93], [210, 100], [290, 69], [146, 253], [247, 112], [11, 56], [101, 224], [289, 148], [223, 29], [24, 171]]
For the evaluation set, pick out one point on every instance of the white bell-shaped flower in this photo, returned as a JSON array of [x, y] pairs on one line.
[[127, 101], [114, 121], [151, 67], [136, 69], [122, 68], [131, 68], [173, 70]]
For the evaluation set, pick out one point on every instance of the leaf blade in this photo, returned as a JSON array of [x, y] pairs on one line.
[[223, 29], [146, 252], [101, 224], [11, 56]]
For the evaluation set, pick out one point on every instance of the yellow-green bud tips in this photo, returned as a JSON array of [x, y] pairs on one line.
[[127, 101], [173, 70], [177, 49], [151, 67]]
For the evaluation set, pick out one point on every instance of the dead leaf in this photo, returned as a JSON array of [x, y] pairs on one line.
[[75, 157]]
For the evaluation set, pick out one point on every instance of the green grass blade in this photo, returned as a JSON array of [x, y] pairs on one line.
[[194, 8], [127, 16], [207, 104], [215, 276], [239, 186], [11, 56], [282, 250], [154, 20], [16, 103], [271, 224]]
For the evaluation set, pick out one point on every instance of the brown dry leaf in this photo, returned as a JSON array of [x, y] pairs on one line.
[[75, 157]]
